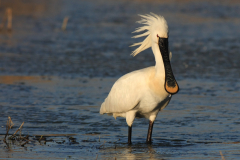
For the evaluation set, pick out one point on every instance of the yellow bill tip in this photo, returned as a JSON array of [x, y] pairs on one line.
[[170, 89]]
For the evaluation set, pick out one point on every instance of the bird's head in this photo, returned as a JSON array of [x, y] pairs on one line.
[[158, 28], [157, 33], [155, 27]]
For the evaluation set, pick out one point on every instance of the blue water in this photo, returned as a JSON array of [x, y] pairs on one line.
[[55, 81]]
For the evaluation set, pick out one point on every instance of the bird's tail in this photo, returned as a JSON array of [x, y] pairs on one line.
[[102, 109]]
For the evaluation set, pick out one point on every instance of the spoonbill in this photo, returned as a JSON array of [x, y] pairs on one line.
[[145, 92]]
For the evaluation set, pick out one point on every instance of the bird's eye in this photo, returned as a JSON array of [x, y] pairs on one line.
[[157, 35]]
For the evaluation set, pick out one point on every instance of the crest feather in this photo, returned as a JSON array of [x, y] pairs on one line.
[[140, 29], [144, 45], [148, 21]]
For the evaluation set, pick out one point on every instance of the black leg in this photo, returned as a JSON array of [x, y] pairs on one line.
[[149, 136], [129, 135]]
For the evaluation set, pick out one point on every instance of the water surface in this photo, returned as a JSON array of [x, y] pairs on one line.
[[55, 81]]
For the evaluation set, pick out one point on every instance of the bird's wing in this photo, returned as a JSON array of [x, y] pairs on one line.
[[126, 92]]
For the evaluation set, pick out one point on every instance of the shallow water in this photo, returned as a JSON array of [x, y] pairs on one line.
[[56, 80]]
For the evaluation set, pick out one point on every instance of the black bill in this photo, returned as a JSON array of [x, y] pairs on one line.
[[170, 85]]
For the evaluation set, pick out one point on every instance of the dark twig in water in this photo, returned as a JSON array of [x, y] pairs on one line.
[[17, 131], [64, 24], [9, 125], [25, 143], [40, 138], [9, 18], [26, 138], [102, 145], [221, 155]]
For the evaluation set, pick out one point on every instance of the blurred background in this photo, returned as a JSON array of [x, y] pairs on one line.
[[203, 37], [59, 59]]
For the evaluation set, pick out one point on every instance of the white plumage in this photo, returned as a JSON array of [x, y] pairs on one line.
[[141, 93], [136, 92]]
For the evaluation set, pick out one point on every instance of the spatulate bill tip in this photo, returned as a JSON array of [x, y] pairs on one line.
[[172, 89]]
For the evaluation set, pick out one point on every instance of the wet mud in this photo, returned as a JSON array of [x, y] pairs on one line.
[[55, 81]]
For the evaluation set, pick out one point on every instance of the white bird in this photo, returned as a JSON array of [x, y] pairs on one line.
[[145, 92]]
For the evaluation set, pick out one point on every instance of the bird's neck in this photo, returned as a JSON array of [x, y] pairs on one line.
[[159, 67]]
